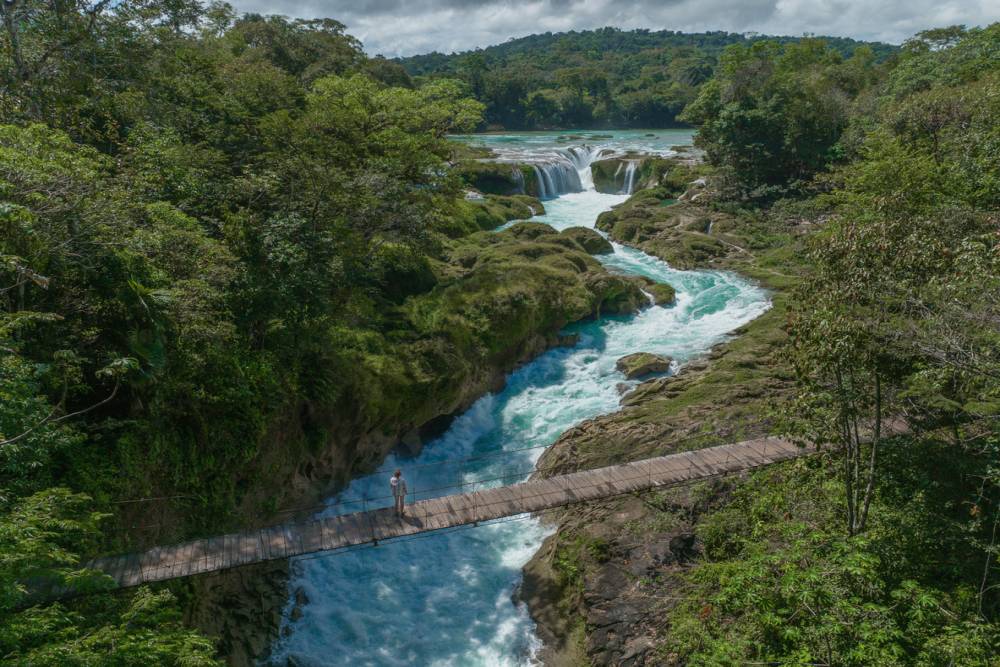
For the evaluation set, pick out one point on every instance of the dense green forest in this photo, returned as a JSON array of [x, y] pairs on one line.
[[888, 556], [231, 252], [597, 78], [865, 195]]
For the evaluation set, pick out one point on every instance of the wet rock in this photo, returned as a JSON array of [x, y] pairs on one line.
[[301, 600], [589, 240], [641, 364], [567, 340], [621, 295], [661, 294], [240, 609]]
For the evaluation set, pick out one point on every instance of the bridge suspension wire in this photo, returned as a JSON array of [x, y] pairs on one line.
[[459, 485], [526, 516], [298, 539], [421, 493], [119, 565]]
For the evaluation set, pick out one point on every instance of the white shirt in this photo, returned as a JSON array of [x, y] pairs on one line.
[[398, 485]]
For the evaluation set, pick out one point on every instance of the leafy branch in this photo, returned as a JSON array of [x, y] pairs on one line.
[[117, 370]]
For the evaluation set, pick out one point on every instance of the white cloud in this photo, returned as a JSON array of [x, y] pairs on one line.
[[399, 27]]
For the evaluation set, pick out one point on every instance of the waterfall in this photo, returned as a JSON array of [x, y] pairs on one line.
[[558, 171], [543, 192], [581, 157], [557, 176], [630, 177], [614, 179], [518, 179]]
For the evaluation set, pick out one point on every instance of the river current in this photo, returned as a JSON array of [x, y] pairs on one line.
[[447, 598]]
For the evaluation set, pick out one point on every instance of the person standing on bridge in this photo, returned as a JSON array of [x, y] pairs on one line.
[[398, 485]]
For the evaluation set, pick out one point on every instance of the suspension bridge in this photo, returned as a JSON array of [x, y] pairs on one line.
[[213, 554]]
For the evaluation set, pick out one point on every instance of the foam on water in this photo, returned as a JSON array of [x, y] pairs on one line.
[[445, 599], [655, 142]]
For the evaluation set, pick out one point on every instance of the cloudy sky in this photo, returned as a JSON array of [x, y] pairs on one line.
[[404, 27]]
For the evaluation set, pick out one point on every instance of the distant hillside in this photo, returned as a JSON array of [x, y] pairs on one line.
[[598, 78]]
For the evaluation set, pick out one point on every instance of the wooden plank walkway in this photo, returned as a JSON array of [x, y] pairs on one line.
[[347, 530]]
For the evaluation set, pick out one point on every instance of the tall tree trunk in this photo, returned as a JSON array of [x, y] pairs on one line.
[[876, 437], [846, 444]]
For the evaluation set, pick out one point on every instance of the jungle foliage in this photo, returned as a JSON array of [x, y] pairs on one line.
[[208, 223], [219, 227], [596, 78], [884, 550]]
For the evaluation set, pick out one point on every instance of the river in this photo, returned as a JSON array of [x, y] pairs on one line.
[[447, 598]]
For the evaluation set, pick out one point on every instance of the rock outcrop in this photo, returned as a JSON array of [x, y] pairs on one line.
[[662, 294], [675, 231], [498, 299], [498, 178], [642, 364], [609, 175], [589, 240]]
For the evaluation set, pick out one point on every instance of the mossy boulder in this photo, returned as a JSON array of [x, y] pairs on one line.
[[684, 234], [490, 177], [589, 240], [662, 293], [633, 229], [641, 364], [469, 215], [495, 289], [515, 207], [498, 178], [620, 296], [529, 230], [609, 174]]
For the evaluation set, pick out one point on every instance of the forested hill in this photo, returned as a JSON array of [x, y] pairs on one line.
[[235, 268], [607, 77]]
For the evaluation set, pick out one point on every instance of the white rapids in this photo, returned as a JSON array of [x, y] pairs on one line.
[[448, 598]]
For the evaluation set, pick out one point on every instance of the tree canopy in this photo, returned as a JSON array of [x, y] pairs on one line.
[[198, 211], [597, 78], [888, 554]]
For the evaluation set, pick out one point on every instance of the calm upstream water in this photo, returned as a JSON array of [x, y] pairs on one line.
[[446, 598]]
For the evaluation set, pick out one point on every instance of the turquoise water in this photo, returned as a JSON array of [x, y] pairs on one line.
[[658, 142], [447, 598]]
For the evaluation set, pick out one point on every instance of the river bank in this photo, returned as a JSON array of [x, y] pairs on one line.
[[454, 591], [596, 586], [497, 302]]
